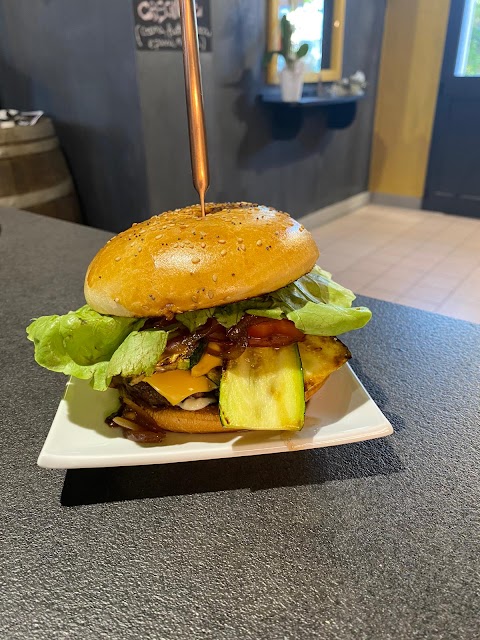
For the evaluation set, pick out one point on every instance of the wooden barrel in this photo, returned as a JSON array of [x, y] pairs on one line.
[[33, 173]]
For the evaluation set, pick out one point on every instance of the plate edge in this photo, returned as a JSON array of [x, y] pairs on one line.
[[51, 461]]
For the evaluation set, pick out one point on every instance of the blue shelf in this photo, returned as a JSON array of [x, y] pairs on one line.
[[287, 117], [271, 95]]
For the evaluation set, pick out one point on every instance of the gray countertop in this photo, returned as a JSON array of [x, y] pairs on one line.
[[374, 540]]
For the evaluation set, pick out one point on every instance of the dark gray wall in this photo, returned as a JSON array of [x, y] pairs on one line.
[[316, 169], [75, 59]]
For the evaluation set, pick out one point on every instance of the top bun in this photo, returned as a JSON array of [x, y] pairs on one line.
[[179, 261]]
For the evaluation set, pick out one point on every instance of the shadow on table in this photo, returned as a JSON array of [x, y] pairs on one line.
[[255, 473]]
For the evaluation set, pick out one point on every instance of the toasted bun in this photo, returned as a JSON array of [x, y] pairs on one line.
[[179, 261], [175, 419]]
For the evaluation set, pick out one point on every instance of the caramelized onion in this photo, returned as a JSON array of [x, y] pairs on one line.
[[125, 423], [212, 330], [239, 332], [157, 323], [228, 350], [177, 337]]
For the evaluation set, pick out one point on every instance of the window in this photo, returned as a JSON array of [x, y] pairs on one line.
[[307, 20], [468, 53], [320, 23]]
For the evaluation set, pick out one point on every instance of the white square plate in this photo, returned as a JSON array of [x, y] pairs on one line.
[[341, 412]]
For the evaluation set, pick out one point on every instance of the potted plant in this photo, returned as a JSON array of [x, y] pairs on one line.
[[291, 76]]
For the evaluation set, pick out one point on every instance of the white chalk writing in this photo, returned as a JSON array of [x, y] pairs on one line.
[[161, 10]]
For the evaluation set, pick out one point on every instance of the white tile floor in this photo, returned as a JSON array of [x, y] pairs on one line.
[[421, 259]]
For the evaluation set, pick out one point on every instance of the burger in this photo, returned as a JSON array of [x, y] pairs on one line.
[[205, 323]]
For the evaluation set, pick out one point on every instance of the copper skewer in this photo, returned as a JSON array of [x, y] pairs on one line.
[[194, 97]]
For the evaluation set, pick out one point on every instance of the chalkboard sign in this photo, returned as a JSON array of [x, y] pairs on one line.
[[158, 27]]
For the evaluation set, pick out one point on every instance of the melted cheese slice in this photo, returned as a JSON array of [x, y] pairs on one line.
[[206, 363], [177, 385]]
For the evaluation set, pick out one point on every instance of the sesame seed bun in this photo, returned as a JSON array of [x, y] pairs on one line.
[[179, 261]]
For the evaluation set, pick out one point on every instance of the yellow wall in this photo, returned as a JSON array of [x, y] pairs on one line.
[[412, 53]]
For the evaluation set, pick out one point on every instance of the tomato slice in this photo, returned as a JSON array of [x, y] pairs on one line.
[[271, 341], [274, 333]]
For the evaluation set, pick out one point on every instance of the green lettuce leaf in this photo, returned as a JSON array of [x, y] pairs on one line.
[[194, 319], [138, 353], [329, 319], [276, 313], [231, 314], [80, 343], [228, 315], [83, 336], [53, 352], [315, 303], [315, 286]]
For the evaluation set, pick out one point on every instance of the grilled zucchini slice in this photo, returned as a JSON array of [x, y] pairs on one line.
[[188, 362], [263, 390], [321, 356]]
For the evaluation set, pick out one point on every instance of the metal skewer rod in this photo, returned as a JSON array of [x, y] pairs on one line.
[[194, 97]]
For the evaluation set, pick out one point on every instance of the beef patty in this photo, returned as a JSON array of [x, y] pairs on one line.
[[142, 392]]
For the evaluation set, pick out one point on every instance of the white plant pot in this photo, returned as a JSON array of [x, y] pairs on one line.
[[291, 82]]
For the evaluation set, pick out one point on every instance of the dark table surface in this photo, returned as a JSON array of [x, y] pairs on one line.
[[374, 540]]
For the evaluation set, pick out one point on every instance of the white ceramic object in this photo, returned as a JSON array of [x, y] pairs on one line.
[[291, 82], [340, 413]]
